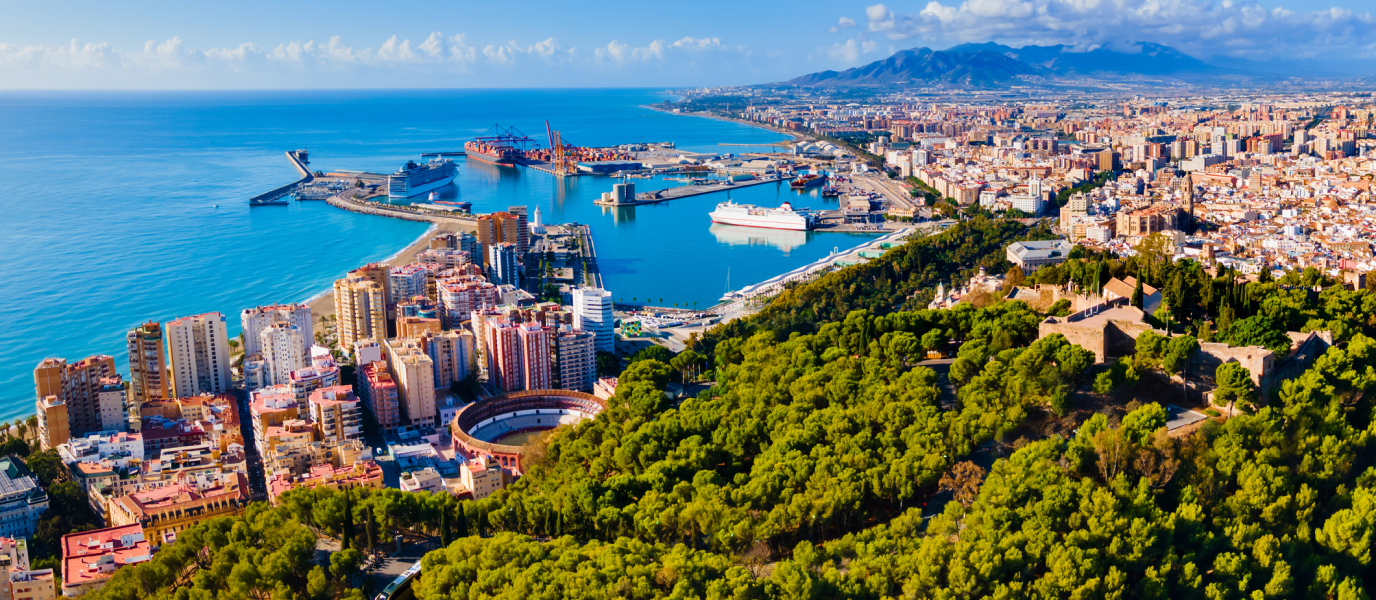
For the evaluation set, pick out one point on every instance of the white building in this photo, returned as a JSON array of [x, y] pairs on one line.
[[198, 355], [282, 353], [592, 312], [1027, 203], [22, 501], [1030, 256], [110, 401], [461, 298], [119, 448], [406, 282], [255, 320], [576, 356]]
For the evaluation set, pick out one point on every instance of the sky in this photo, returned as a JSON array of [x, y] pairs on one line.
[[259, 44]]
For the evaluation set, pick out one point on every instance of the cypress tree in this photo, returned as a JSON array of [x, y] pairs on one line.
[[1137, 293]]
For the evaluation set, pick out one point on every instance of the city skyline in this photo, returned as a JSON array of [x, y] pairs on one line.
[[367, 45]]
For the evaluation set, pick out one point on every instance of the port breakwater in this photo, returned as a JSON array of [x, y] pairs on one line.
[[688, 191], [298, 160], [349, 200]]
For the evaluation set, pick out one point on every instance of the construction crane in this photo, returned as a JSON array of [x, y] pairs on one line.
[[564, 164]]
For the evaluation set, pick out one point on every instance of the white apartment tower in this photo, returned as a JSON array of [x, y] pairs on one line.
[[255, 320], [198, 354], [592, 312], [280, 345]]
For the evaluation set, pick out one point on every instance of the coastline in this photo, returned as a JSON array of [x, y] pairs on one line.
[[792, 134], [322, 303]]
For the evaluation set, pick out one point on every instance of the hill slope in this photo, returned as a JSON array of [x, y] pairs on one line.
[[923, 65], [994, 65]]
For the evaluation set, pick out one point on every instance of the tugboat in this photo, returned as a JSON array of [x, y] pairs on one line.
[[807, 181], [830, 192]]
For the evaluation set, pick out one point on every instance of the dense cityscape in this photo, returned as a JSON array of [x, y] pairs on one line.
[[1087, 319]]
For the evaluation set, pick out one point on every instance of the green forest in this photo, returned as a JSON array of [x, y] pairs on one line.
[[826, 462]]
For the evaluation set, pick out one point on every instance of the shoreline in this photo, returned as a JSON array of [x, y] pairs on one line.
[[322, 303], [792, 134]]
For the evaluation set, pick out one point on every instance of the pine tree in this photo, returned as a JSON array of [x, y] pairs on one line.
[[444, 525], [347, 531]]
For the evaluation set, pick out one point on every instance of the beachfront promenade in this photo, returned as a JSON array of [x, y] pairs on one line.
[[738, 302]]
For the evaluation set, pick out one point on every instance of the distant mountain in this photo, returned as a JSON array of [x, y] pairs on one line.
[[995, 65], [923, 65], [1127, 58]]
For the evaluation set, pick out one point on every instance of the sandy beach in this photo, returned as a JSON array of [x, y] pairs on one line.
[[323, 304]]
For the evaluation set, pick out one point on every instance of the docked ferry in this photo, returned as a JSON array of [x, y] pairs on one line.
[[416, 179], [747, 215]]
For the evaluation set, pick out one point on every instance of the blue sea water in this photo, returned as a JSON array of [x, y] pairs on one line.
[[110, 215]]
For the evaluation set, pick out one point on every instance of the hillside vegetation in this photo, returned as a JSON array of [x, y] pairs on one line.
[[824, 463]]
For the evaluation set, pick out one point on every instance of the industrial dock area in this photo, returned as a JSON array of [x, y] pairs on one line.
[[554, 259]]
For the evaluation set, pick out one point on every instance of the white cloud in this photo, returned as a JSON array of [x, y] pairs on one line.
[[659, 50], [501, 55], [842, 23], [880, 18], [157, 61], [167, 55], [433, 46], [392, 50], [847, 52], [460, 50], [1200, 27], [74, 55]]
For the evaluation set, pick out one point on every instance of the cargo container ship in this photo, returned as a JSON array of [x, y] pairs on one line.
[[416, 179], [504, 147], [747, 215]]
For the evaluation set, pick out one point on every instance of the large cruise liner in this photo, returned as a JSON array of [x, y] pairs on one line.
[[414, 180], [746, 215]]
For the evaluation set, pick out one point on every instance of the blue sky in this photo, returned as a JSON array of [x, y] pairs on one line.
[[493, 43]]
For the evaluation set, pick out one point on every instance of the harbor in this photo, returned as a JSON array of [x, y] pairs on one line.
[[299, 160], [688, 191]]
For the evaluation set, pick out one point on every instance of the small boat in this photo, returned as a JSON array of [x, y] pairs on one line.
[[807, 181], [459, 205], [830, 192], [433, 196]]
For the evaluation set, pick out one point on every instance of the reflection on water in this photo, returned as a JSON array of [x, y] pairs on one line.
[[783, 239], [620, 214]]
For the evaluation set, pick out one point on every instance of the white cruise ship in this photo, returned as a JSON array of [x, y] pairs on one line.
[[747, 215], [414, 180]]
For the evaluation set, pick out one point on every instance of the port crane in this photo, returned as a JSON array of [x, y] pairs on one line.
[[564, 164]]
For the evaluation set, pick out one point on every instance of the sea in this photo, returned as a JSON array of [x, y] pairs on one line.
[[125, 207]]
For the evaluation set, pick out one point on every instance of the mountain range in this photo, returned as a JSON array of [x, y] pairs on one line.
[[995, 65]]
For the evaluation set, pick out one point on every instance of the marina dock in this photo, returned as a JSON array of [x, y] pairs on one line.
[[688, 191], [275, 197], [736, 304]]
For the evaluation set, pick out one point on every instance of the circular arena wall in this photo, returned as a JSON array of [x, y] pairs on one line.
[[476, 425]]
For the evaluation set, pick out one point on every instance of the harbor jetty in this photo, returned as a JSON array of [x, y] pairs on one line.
[[276, 197], [358, 200], [737, 303], [688, 191]]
